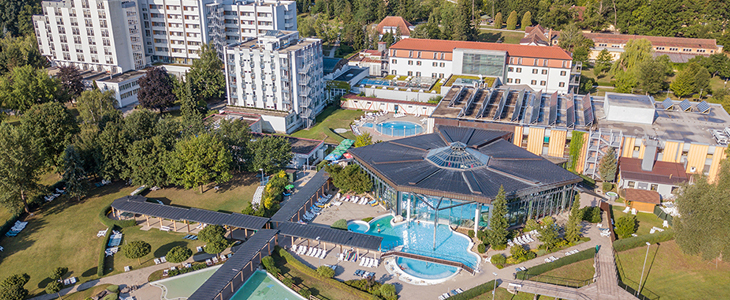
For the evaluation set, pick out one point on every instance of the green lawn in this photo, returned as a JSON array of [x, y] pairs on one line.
[[503, 294], [674, 275], [581, 270], [329, 119], [82, 295], [646, 220], [507, 37], [319, 288], [232, 196]]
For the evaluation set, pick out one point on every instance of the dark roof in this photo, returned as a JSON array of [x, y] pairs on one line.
[[233, 265], [139, 205], [295, 203], [330, 235], [330, 64], [645, 196], [663, 172], [403, 164]]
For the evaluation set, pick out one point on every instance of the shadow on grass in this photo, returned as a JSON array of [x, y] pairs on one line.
[[90, 272], [648, 269], [162, 250], [43, 283], [489, 37]]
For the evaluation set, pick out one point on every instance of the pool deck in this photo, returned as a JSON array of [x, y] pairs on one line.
[[377, 136]]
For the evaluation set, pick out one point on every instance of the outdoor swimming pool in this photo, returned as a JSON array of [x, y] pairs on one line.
[[263, 287], [399, 128], [182, 286], [367, 81], [358, 226], [418, 239]]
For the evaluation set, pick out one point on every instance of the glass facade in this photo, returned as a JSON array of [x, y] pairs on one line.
[[457, 212], [483, 64]]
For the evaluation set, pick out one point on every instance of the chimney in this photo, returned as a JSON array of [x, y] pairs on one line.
[[381, 46], [647, 163]]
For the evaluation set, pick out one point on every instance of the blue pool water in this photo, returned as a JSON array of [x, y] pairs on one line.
[[358, 226], [262, 287], [418, 239], [399, 128], [375, 82], [368, 125]]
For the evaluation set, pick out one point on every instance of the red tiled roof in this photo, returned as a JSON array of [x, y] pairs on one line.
[[395, 21], [664, 41], [645, 196], [663, 172], [372, 52], [512, 50]]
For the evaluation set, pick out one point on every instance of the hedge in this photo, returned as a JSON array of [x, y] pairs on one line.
[[301, 267], [102, 254], [564, 261], [638, 241], [111, 223], [475, 291]]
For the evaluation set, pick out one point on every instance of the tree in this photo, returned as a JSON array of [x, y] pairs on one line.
[[146, 161], [70, 78], [363, 140], [325, 272], [549, 233], [20, 51], [635, 52], [603, 62], [136, 249], [498, 223], [688, 79], [20, 168], [206, 75], [53, 287], [702, 81], [626, 225], [25, 86], [49, 127], [607, 166], [652, 76], [94, 104], [113, 144], [236, 135], [178, 254], [58, 273], [526, 20], [199, 160], [216, 247], [350, 178], [498, 21], [12, 288], [518, 252], [512, 21], [190, 108], [73, 172], [573, 40], [155, 89], [572, 229], [270, 153], [212, 233], [432, 27]]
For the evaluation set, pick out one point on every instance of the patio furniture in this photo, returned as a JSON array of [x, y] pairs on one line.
[[127, 268]]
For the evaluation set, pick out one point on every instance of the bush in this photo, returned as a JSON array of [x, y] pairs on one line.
[[564, 261], [531, 225], [518, 252], [591, 214], [387, 291], [596, 215], [288, 282], [475, 291], [102, 254], [606, 186], [268, 262], [638, 241], [626, 225], [111, 223], [112, 296], [368, 219], [326, 272], [498, 260], [470, 233], [53, 287], [340, 224], [113, 288], [482, 236], [57, 273], [178, 254], [212, 233], [499, 247], [482, 248], [305, 292]]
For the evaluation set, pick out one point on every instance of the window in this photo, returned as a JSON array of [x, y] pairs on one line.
[[562, 73], [441, 75], [395, 72], [675, 190], [686, 50], [510, 69], [509, 80], [602, 45], [615, 46], [441, 65], [654, 187], [435, 64], [562, 84], [518, 70], [534, 71], [533, 82], [632, 184], [418, 63], [542, 82], [544, 72], [394, 61], [418, 74], [410, 73], [517, 80], [410, 62], [660, 48], [673, 49], [701, 50], [433, 75]]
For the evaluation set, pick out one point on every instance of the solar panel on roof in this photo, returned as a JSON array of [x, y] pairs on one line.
[[536, 103], [685, 106], [570, 118], [502, 102], [588, 110], [703, 107], [553, 109], [668, 104], [518, 106]]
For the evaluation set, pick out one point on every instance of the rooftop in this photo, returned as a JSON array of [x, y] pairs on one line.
[[663, 172], [482, 162], [644, 196], [255, 111], [553, 52], [679, 42], [300, 145], [350, 74], [629, 100], [395, 21]]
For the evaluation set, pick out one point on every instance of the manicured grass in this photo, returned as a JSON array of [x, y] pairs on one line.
[[674, 275], [507, 37], [319, 288], [232, 196], [581, 270], [82, 295], [329, 119], [646, 220], [503, 294]]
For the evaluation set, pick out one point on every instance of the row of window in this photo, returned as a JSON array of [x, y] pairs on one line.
[[128, 94], [532, 82], [173, 7], [660, 48], [436, 55]]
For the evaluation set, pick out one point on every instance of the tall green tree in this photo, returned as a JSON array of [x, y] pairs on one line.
[[572, 229], [71, 84], [155, 90], [112, 144], [94, 104], [607, 166], [635, 52], [236, 135], [498, 21], [20, 51], [363, 140], [549, 233], [190, 108], [432, 27], [25, 86], [692, 79], [49, 127], [572, 40], [526, 20], [512, 21], [146, 159], [20, 168], [206, 75], [73, 172], [603, 63], [199, 160], [270, 153], [498, 223], [13, 287], [178, 254], [652, 76], [136, 250]]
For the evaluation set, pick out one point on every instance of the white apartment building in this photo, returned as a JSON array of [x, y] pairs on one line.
[[279, 76], [546, 69], [100, 35]]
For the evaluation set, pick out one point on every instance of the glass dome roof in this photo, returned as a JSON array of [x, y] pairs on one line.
[[457, 156]]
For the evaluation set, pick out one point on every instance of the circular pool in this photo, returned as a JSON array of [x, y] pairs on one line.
[[399, 128], [358, 226], [425, 270]]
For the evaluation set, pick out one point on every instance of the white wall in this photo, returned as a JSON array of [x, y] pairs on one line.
[[388, 106], [402, 95], [401, 67]]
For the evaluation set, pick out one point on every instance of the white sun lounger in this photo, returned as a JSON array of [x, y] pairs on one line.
[[309, 251], [294, 248], [316, 253], [323, 254], [302, 249]]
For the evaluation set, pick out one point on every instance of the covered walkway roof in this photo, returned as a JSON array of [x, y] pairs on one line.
[[330, 235], [139, 205], [295, 203]]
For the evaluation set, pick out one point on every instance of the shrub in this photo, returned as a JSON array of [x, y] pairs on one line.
[[268, 262], [387, 291], [626, 225], [482, 236], [470, 233], [591, 214], [368, 219], [340, 224], [57, 273], [136, 249], [288, 282], [212, 233], [638, 241], [305, 292], [216, 247], [531, 225], [111, 223], [178, 254], [113, 288], [475, 291], [482, 248], [53, 287], [102, 254], [498, 260], [518, 252], [499, 247], [606, 186], [112, 296], [596, 216], [326, 272]]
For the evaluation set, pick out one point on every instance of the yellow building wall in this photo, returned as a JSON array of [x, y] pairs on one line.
[[641, 150], [556, 147], [641, 206], [628, 147], [670, 151], [715, 166], [696, 157], [535, 140], [517, 139]]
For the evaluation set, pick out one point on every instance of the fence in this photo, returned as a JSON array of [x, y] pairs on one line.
[[662, 215], [566, 282], [627, 284], [607, 208]]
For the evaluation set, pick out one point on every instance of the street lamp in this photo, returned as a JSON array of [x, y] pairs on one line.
[[320, 257], [262, 175], [495, 285], [638, 290]]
